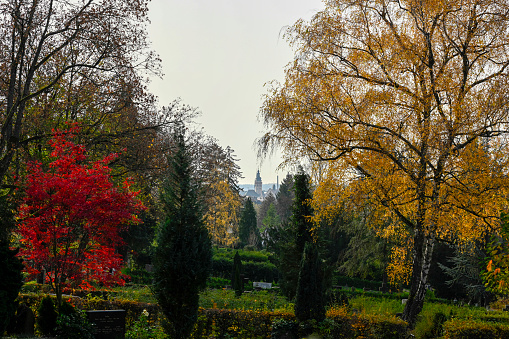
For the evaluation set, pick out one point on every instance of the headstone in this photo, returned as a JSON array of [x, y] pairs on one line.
[[108, 324], [262, 285], [24, 321]]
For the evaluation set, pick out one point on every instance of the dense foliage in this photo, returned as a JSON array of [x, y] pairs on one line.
[[310, 296], [402, 103], [71, 218], [183, 254]]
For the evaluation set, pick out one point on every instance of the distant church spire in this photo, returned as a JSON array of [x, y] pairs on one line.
[[258, 183]]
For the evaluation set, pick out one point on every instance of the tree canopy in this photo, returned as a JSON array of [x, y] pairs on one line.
[[71, 218], [403, 103]]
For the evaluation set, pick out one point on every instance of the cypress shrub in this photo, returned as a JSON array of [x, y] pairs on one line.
[[310, 303], [237, 283], [47, 316], [183, 254]]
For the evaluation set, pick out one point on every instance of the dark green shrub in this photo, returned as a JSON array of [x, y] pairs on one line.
[[183, 254], [74, 326], [254, 270], [47, 316], [472, 329], [338, 297], [236, 323], [310, 302], [342, 280], [133, 309], [217, 282], [66, 308], [237, 282], [10, 282], [282, 328]]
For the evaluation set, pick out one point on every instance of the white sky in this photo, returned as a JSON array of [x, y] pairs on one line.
[[217, 55]]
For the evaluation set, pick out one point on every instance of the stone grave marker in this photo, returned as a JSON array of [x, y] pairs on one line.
[[108, 324], [262, 285]]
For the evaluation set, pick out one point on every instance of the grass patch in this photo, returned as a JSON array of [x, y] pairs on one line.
[[255, 301]]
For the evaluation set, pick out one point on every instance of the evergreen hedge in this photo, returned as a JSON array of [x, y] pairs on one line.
[[474, 329]]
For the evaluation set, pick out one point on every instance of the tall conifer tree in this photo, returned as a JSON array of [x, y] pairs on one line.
[[182, 258], [299, 231], [248, 230], [310, 301]]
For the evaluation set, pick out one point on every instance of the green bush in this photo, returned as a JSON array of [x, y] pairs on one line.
[[342, 280], [74, 326], [236, 323], [217, 282], [256, 265], [474, 329], [341, 324], [133, 309], [255, 301], [47, 316], [283, 328], [66, 308], [11, 282], [144, 328], [138, 275]]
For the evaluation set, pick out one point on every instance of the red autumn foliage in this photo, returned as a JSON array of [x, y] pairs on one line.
[[71, 218]]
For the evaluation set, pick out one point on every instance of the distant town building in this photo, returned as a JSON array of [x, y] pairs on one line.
[[258, 194], [258, 187]]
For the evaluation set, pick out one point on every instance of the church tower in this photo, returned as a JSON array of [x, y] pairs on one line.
[[258, 184]]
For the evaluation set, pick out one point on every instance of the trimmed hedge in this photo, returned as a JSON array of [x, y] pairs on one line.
[[474, 329], [220, 323], [340, 324], [356, 282], [254, 271], [236, 323], [133, 309]]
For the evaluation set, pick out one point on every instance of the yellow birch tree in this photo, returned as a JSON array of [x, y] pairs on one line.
[[404, 103]]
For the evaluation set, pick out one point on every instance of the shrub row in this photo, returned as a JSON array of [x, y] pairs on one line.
[[342, 280], [133, 309], [474, 329], [340, 324], [218, 323], [256, 256], [254, 271]]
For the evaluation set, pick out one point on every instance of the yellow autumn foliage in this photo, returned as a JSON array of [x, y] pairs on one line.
[[403, 104]]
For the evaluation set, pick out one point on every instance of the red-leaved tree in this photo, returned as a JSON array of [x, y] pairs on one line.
[[71, 218]]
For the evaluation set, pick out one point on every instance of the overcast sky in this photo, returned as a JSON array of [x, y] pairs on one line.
[[217, 55]]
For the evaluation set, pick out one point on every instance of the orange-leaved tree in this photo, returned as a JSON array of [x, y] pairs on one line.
[[71, 217], [404, 104]]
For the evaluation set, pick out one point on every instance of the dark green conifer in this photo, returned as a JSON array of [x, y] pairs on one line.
[[10, 267], [47, 316], [248, 230], [182, 258], [310, 301], [298, 231], [302, 211], [237, 283]]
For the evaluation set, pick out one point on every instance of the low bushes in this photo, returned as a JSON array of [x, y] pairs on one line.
[[133, 309], [255, 271], [356, 282], [474, 329], [265, 324], [236, 323]]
